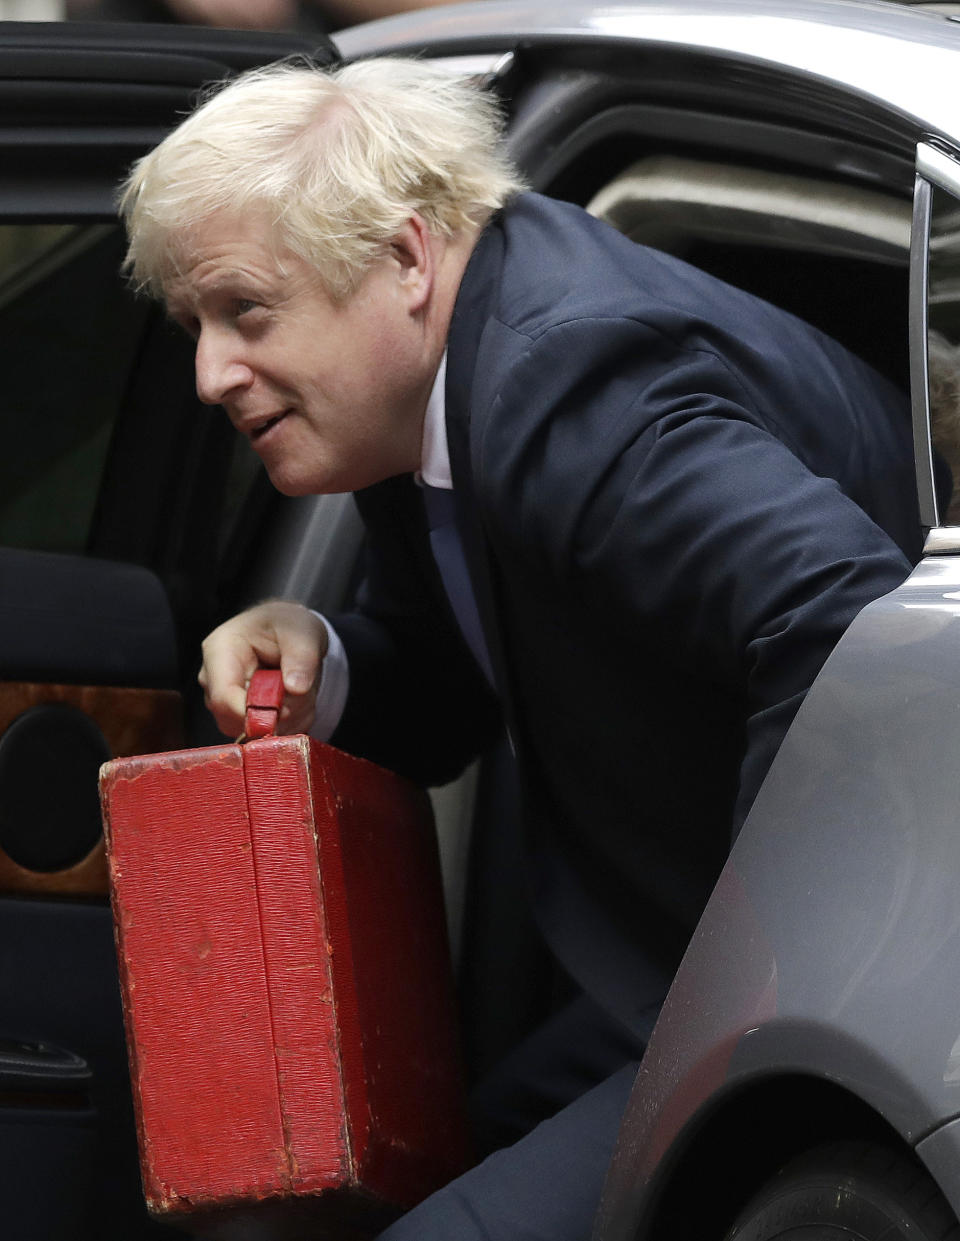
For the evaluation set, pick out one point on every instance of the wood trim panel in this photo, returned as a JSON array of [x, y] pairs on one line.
[[133, 721]]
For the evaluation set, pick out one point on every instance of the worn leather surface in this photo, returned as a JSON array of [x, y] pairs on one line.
[[286, 980]]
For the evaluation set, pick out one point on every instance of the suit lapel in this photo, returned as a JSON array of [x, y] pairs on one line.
[[472, 309]]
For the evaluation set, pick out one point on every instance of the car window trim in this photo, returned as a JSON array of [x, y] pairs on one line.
[[934, 167]]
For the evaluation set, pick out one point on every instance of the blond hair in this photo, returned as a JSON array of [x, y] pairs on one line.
[[337, 160]]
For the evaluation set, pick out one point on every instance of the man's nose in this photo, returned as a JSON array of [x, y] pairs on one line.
[[219, 370]]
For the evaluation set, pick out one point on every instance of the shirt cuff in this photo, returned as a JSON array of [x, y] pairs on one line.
[[333, 688]]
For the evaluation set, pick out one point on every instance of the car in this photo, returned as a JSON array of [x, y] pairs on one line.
[[805, 1071]]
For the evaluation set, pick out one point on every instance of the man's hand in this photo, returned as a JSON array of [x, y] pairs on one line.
[[272, 634]]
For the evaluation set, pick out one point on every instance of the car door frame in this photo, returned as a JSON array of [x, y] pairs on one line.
[[795, 1018]]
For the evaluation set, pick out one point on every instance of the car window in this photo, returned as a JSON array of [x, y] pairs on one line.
[[69, 331], [674, 203], [942, 310], [943, 285]]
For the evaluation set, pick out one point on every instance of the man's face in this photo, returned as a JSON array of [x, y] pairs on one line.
[[330, 395]]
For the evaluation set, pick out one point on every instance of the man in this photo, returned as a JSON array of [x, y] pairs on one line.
[[665, 501]]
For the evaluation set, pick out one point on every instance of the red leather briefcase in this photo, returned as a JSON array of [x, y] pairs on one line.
[[286, 985]]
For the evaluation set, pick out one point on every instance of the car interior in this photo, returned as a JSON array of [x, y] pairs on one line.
[[132, 521]]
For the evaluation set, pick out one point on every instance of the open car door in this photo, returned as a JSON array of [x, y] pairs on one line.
[[120, 505]]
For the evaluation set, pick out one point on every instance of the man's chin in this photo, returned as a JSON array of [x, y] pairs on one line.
[[296, 479], [292, 486], [293, 482]]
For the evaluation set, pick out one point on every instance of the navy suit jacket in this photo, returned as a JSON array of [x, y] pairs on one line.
[[674, 499]]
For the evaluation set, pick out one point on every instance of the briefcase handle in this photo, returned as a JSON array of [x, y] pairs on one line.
[[264, 700]]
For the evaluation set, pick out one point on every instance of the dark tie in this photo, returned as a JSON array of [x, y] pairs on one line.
[[447, 547]]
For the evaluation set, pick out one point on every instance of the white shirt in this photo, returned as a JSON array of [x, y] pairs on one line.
[[435, 472], [434, 453]]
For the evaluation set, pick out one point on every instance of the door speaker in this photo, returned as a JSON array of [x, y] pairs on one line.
[[53, 739]]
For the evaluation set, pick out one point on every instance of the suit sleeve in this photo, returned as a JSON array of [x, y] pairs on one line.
[[418, 703], [648, 481]]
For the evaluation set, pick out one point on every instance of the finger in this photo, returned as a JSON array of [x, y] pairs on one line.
[[229, 661], [302, 642]]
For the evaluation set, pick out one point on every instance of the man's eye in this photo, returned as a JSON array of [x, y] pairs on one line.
[[242, 305]]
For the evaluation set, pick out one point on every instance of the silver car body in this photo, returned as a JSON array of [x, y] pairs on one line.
[[820, 995]]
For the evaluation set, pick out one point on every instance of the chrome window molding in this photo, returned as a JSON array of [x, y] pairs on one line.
[[919, 371], [940, 170]]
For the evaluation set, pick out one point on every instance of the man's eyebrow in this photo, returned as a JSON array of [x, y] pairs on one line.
[[228, 278], [230, 275], [233, 279]]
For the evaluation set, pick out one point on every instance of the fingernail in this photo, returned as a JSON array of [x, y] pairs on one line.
[[297, 682]]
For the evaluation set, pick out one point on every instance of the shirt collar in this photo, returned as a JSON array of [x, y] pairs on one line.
[[434, 454]]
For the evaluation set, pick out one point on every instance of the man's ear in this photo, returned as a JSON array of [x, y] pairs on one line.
[[413, 251]]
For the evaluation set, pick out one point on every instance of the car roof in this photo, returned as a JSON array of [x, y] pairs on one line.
[[904, 58]]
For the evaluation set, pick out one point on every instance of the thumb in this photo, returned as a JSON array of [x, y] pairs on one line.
[[297, 679], [301, 654]]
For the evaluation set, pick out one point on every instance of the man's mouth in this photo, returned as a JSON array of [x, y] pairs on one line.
[[261, 429]]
